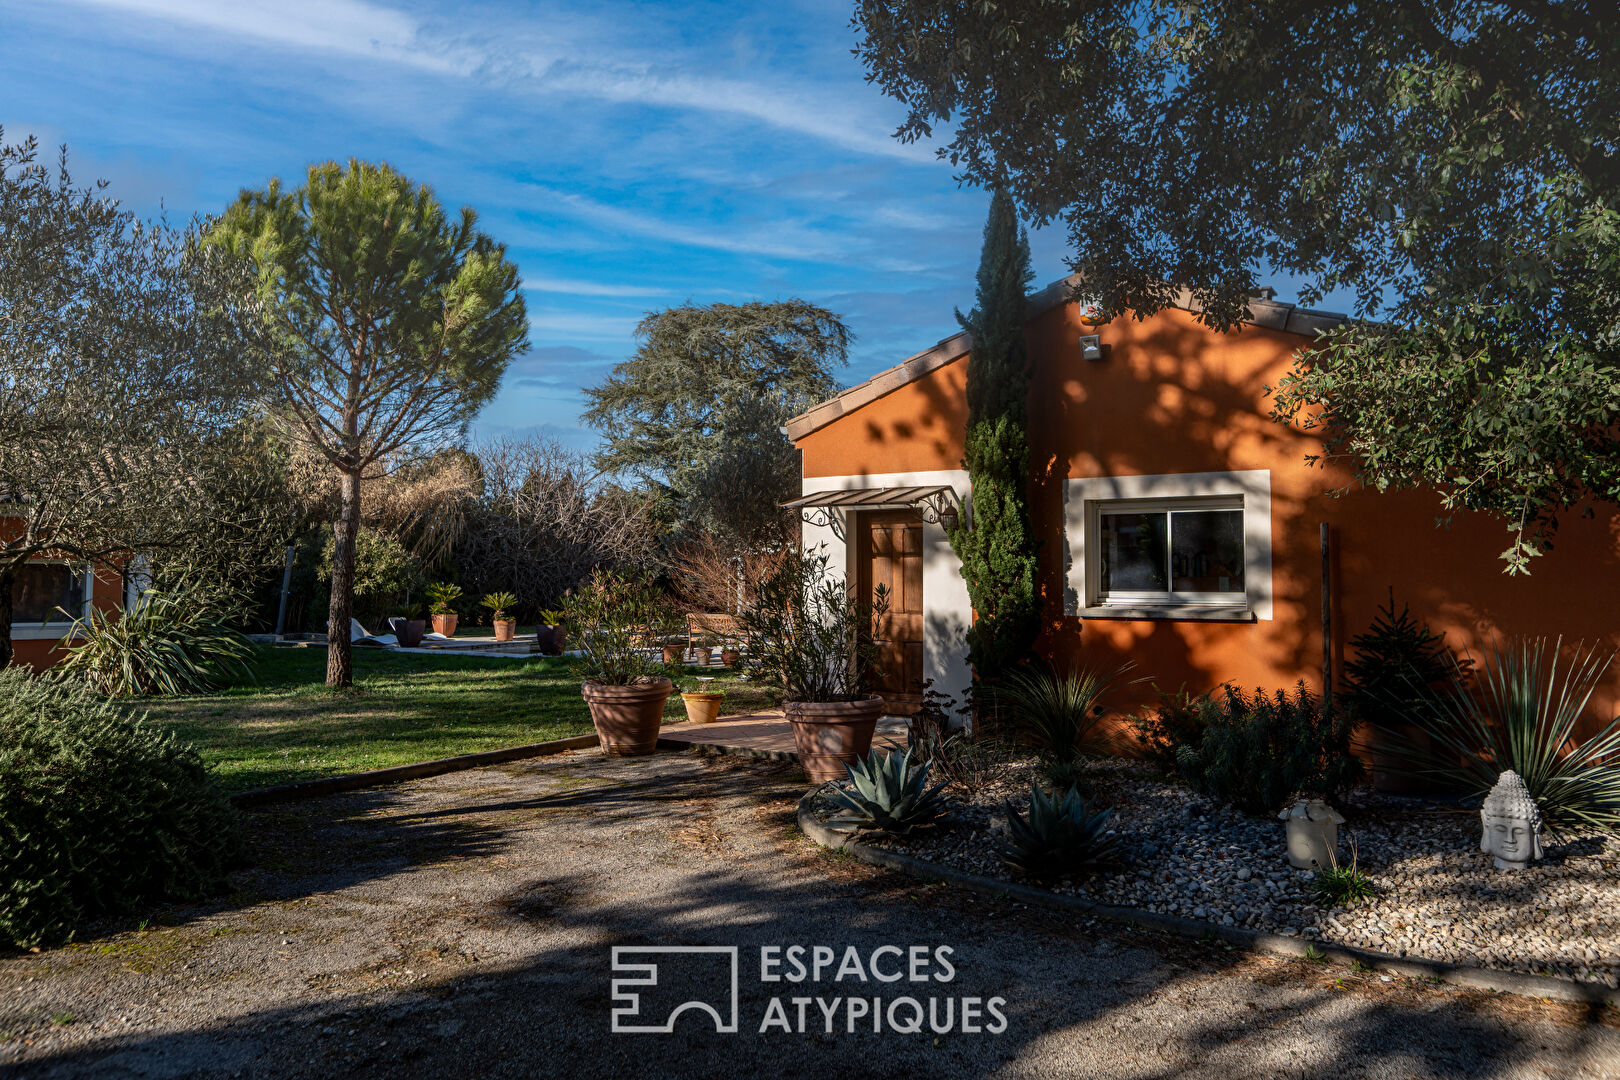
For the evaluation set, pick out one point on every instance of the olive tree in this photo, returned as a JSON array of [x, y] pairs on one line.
[[129, 354], [392, 324]]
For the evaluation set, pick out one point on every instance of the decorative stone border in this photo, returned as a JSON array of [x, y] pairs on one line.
[[332, 785], [1506, 982]]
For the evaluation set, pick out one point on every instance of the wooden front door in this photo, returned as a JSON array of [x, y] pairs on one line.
[[889, 554]]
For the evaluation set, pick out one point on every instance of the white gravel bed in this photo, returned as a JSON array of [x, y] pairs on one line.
[[1438, 896]]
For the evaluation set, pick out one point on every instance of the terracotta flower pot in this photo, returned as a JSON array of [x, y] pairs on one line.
[[627, 718], [446, 624], [504, 629], [729, 657], [672, 654], [831, 734], [703, 707], [703, 656]]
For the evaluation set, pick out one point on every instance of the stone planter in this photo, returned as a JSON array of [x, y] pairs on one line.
[[505, 629], [673, 654], [702, 655], [703, 707], [832, 734], [446, 624], [729, 657], [551, 640], [627, 718]]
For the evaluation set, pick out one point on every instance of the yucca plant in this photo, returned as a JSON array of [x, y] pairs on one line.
[[889, 792], [175, 639], [1060, 712], [1521, 713], [1058, 837]]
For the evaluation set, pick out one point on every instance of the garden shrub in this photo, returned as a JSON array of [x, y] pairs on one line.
[[1258, 752], [1177, 722], [176, 639], [1397, 668], [99, 812]]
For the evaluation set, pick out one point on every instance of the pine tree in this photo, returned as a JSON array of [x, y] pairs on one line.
[[998, 550]]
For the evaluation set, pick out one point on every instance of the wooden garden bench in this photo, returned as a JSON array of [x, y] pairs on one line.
[[724, 627]]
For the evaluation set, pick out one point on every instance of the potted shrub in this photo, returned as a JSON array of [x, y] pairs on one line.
[[674, 652], [616, 620], [551, 636], [442, 596], [729, 655], [810, 637], [703, 651], [702, 706], [498, 603]]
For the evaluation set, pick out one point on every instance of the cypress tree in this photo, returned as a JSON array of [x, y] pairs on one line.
[[998, 551]]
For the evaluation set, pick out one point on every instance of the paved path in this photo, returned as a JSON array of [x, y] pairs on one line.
[[463, 926], [767, 731]]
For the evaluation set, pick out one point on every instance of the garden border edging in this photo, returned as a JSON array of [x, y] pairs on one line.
[[1506, 982], [332, 785]]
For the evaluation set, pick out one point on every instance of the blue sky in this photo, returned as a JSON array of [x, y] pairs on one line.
[[631, 155]]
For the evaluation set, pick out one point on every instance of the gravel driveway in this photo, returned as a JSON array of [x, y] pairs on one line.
[[464, 926]]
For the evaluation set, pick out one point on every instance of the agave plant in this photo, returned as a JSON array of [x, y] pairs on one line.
[[889, 792], [1521, 713], [1059, 837]]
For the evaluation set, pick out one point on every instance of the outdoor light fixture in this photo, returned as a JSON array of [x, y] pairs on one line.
[[1091, 346]]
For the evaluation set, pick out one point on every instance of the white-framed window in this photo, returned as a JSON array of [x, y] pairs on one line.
[[1172, 546], [47, 595]]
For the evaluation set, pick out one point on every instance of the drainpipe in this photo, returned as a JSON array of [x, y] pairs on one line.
[[1327, 619]]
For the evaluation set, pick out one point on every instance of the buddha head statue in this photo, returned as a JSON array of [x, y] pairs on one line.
[[1511, 823]]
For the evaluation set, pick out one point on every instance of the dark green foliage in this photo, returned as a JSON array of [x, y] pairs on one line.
[[997, 547], [1522, 713], [1398, 665], [700, 407], [1177, 722], [889, 792], [99, 813], [176, 639], [1059, 837], [1059, 713], [1257, 752], [1453, 165], [1341, 886]]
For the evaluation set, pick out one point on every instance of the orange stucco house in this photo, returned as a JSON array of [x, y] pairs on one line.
[[1181, 527], [43, 590]]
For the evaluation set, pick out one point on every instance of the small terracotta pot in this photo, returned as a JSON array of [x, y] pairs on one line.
[[729, 657], [504, 629], [831, 734], [627, 718], [446, 624], [672, 654], [703, 707], [703, 656]]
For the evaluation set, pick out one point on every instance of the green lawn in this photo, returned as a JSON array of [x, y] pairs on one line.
[[404, 708]]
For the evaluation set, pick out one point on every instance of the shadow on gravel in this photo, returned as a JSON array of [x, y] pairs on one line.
[[1078, 1002]]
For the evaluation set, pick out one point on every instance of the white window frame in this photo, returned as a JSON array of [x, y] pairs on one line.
[[1086, 499], [54, 629]]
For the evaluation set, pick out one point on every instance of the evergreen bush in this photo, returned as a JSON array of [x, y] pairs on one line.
[[1258, 752], [99, 812]]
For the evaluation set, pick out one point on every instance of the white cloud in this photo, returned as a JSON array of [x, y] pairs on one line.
[[358, 28], [589, 288]]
